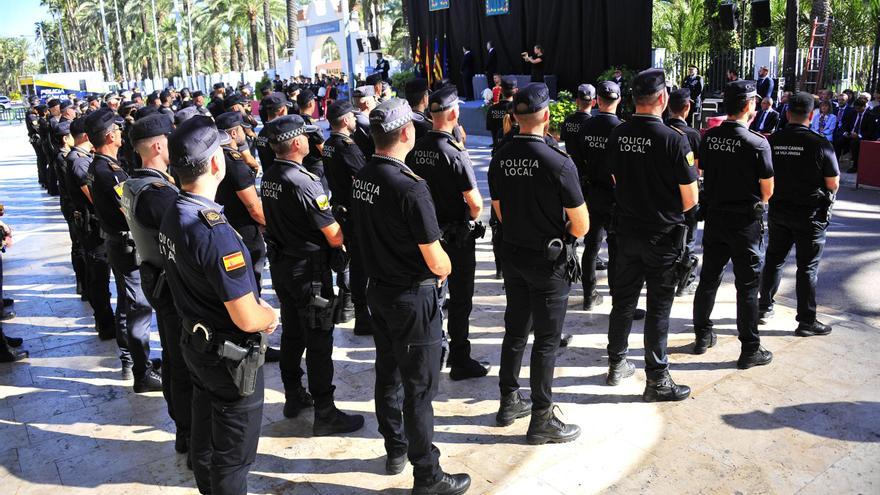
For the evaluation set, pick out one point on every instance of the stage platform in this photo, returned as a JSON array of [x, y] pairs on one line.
[[473, 118]]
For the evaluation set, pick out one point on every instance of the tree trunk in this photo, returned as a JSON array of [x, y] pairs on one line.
[[233, 53], [821, 10], [242, 53], [215, 59], [270, 37], [145, 30], [292, 12], [254, 40], [789, 58]]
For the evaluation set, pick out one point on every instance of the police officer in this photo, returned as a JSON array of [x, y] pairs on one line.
[[537, 198], [417, 97], [738, 181], [304, 240], [364, 101], [808, 177], [571, 127], [216, 106], [399, 238], [305, 100], [343, 159], [63, 142], [445, 165], [272, 106], [198, 99], [87, 231], [47, 139], [146, 196], [133, 312], [693, 82], [497, 112], [32, 121], [650, 230], [679, 108], [225, 323]]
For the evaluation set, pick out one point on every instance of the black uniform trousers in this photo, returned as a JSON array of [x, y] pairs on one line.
[[77, 254], [804, 229], [176, 383], [97, 278], [41, 163], [51, 177], [256, 246], [537, 298], [497, 241], [292, 279], [736, 237], [225, 426], [133, 312], [354, 279], [643, 260], [408, 331], [601, 203], [461, 300]]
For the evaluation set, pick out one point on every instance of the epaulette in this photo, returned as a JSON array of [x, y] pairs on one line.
[[456, 144], [756, 133], [114, 167], [158, 185], [311, 175], [676, 129], [235, 155], [560, 151], [347, 140], [411, 175], [212, 217], [418, 117]]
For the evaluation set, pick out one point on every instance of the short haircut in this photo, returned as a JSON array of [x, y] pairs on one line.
[[99, 139], [416, 98], [191, 172], [767, 99], [734, 104], [384, 139], [283, 147], [677, 105], [141, 145], [648, 99], [337, 123], [531, 118], [539, 47]]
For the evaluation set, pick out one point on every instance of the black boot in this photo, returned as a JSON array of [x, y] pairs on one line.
[[345, 312], [704, 341], [545, 427], [330, 421], [448, 484], [639, 314], [181, 442], [513, 407], [594, 300], [663, 389], [812, 329], [150, 382], [14, 341], [469, 369], [395, 464], [12, 355], [758, 357], [618, 371], [297, 401], [362, 324], [273, 355], [764, 315]]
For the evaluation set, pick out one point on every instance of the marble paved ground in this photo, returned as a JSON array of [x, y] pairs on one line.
[[809, 423]]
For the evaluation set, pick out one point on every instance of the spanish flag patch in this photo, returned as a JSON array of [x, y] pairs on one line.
[[233, 261]]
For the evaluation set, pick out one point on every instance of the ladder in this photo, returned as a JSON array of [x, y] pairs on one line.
[[817, 56]]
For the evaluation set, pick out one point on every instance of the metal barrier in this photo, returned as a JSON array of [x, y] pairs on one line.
[[12, 114]]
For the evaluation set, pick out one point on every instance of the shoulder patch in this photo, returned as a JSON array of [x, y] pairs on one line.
[[676, 129], [235, 155], [347, 140], [311, 175], [212, 217], [411, 175], [560, 151], [158, 185], [118, 189], [456, 144], [114, 167], [234, 261], [690, 158], [322, 202]]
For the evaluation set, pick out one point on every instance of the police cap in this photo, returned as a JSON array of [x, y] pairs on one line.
[[151, 126], [144, 111], [273, 102], [78, 126], [136, 95], [391, 115], [233, 99], [531, 99], [185, 114], [416, 86], [288, 127], [91, 98], [374, 79], [338, 109], [62, 128], [219, 85], [111, 95], [747, 89], [443, 99], [509, 83], [586, 92], [305, 97], [100, 121], [197, 93], [801, 103], [41, 107], [54, 102], [679, 98], [165, 94], [195, 141], [229, 120], [364, 91], [648, 82], [609, 90], [65, 104]]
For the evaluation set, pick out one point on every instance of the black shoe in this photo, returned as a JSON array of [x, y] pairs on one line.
[[362, 326], [759, 357], [468, 369], [765, 315], [705, 341], [565, 339], [127, 373], [330, 421], [14, 341], [594, 300], [181, 443], [79, 289], [601, 265], [12, 355], [150, 382], [852, 170], [663, 389], [300, 399], [449, 484], [545, 427], [273, 355], [812, 329], [687, 290], [345, 311], [513, 407], [7, 315], [618, 371], [157, 364], [395, 464], [8, 301], [189, 462], [639, 314], [499, 275]]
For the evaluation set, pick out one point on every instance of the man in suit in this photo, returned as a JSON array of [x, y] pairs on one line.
[[782, 109], [694, 83], [767, 119], [467, 73], [765, 84], [845, 108], [491, 67], [857, 125]]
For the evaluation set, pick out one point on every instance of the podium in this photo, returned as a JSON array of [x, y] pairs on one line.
[[869, 164], [480, 83]]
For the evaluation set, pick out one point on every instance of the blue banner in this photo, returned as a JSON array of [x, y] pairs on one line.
[[438, 4], [497, 7], [325, 28]]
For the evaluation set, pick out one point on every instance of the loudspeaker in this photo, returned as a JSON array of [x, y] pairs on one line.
[[374, 42], [761, 13], [727, 14], [360, 43]]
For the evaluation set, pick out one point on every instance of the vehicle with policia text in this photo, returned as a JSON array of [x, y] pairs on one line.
[[62, 84]]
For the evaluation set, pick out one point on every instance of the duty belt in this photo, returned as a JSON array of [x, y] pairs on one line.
[[208, 341], [428, 282]]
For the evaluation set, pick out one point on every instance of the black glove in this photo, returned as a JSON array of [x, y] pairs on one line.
[[339, 259]]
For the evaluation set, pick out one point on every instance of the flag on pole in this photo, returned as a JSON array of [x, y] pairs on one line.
[[445, 52], [428, 61], [438, 69], [418, 56]]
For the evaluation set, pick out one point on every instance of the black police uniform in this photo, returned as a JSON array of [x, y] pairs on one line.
[[495, 120], [691, 217], [362, 135], [571, 131], [444, 163], [393, 214], [88, 231], [423, 123], [265, 152], [799, 214], [49, 151], [649, 231], [694, 84], [598, 187], [534, 184], [77, 256], [240, 177], [32, 120], [207, 264], [734, 159]]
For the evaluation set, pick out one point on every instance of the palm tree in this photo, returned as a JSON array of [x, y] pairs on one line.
[[292, 32], [270, 39]]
